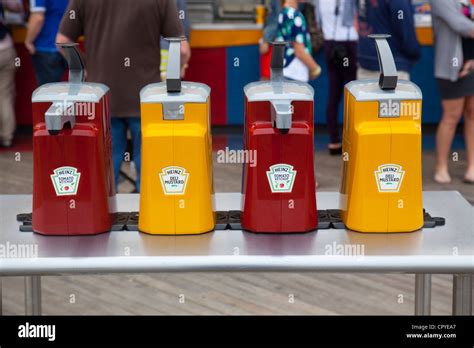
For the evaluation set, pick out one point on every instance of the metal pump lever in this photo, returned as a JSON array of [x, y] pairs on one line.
[[388, 70], [282, 110], [277, 63], [74, 61], [174, 110], [173, 74], [62, 112]]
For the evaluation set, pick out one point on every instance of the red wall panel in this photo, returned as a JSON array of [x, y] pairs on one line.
[[208, 65], [25, 85]]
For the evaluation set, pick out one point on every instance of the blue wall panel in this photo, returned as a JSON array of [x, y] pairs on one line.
[[423, 75], [238, 76]]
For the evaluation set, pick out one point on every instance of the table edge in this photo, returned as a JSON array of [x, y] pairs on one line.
[[243, 263]]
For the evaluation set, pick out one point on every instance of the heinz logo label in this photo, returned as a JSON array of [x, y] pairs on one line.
[[66, 181], [398, 108], [281, 178], [174, 180], [389, 177]]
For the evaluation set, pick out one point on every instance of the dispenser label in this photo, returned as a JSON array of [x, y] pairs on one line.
[[281, 178], [174, 180], [66, 181], [389, 177]]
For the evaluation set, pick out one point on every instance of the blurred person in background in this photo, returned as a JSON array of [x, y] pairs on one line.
[[396, 18], [183, 16], [340, 49], [467, 42], [308, 9], [7, 75], [292, 28], [122, 51], [270, 32], [453, 29], [40, 41]]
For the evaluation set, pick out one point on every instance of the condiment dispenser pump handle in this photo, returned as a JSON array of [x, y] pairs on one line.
[[173, 74], [74, 62], [388, 70], [278, 60]]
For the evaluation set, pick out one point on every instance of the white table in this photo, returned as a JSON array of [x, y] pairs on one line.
[[442, 250]]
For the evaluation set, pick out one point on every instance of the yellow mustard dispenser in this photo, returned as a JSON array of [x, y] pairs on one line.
[[177, 194], [381, 188]]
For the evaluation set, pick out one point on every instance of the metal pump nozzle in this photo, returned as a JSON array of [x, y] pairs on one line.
[[282, 114], [388, 70], [60, 113], [282, 110]]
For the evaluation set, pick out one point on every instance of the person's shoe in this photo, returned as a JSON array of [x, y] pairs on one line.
[[335, 149], [442, 178], [6, 143]]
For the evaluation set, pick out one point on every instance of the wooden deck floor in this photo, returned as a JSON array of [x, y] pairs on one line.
[[240, 293]]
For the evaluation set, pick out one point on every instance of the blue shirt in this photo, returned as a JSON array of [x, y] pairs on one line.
[[53, 13]]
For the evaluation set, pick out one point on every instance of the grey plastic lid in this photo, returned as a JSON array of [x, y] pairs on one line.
[[70, 92], [284, 90], [369, 90], [191, 92]]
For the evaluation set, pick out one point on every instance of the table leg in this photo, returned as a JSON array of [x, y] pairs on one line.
[[422, 294], [462, 294], [1, 297], [33, 295]]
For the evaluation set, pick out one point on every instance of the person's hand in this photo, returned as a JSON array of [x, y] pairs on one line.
[[467, 69], [183, 70], [30, 47], [264, 47], [185, 52], [314, 74]]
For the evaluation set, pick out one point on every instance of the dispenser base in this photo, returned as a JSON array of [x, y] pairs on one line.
[[228, 220]]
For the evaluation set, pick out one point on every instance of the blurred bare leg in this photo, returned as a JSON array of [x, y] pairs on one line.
[[452, 113], [469, 138]]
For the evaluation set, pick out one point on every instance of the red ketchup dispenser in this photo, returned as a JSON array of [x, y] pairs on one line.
[[73, 182], [278, 189]]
